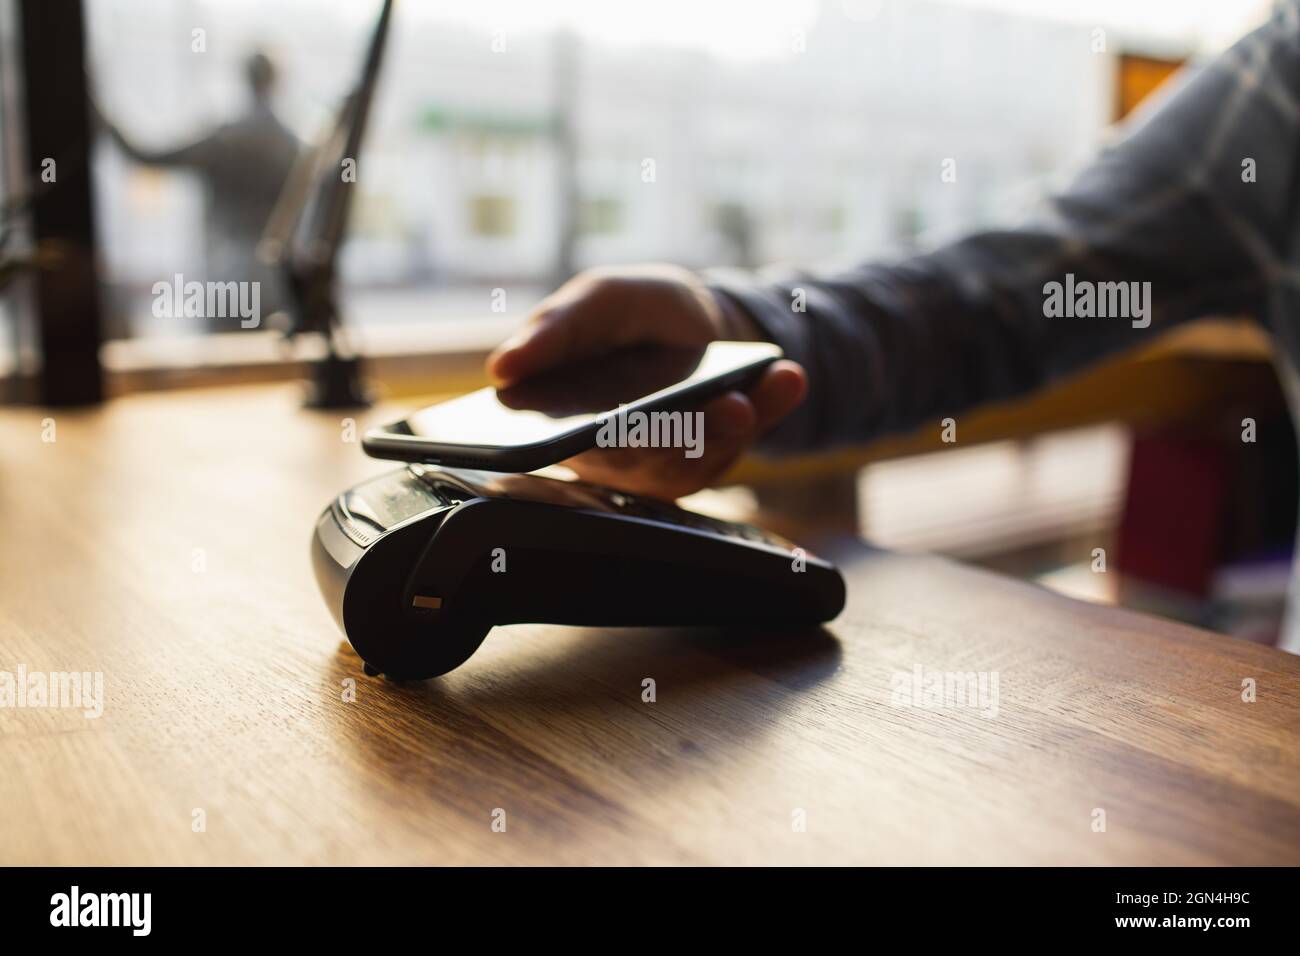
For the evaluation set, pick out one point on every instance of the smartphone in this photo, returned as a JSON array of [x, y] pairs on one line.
[[560, 413]]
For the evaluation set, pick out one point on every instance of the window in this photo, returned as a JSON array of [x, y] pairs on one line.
[[762, 153]]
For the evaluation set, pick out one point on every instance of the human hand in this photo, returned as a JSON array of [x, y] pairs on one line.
[[603, 310]]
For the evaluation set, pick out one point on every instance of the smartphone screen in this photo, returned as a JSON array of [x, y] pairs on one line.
[[552, 415]]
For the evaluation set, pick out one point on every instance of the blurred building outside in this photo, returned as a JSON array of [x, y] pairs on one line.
[[832, 152]]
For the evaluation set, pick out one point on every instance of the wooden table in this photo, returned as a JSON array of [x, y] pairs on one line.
[[163, 541]]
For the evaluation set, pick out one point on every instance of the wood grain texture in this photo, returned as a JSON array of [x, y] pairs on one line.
[[163, 541]]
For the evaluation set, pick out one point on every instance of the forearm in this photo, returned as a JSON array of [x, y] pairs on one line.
[[885, 347], [179, 156]]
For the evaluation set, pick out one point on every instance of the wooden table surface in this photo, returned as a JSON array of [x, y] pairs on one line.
[[163, 541]]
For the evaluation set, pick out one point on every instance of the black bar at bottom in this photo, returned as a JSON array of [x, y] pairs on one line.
[[887, 907]]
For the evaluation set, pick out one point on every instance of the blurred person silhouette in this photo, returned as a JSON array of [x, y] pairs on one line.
[[1196, 211], [243, 165]]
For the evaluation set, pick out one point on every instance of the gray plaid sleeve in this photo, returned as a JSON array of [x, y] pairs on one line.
[[1193, 212]]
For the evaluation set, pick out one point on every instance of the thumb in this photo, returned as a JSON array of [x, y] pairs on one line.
[[543, 343]]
